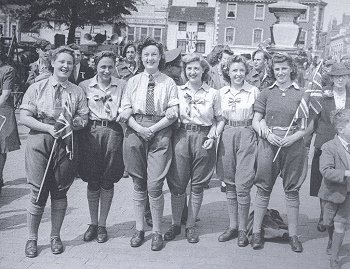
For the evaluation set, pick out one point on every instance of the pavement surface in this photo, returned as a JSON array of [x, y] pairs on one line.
[[117, 253]]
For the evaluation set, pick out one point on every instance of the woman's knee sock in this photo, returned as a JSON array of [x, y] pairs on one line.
[[139, 198], [260, 207], [106, 197], [34, 215], [157, 208], [58, 211], [194, 205], [243, 210], [292, 204], [177, 206], [93, 198], [232, 208]]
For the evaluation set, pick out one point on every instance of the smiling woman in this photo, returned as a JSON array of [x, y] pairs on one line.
[[43, 103]]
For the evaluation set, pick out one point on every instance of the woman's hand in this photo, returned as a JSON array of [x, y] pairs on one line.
[[208, 144], [78, 122], [171, 113], [274, 139], [288, 140], [52, 131], [124, 115], [145, 133], [264, 131]]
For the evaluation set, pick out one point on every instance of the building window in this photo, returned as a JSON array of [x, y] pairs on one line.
[[302, 37], [231, 10], [2, 27], [259, 12], [201, 27], [143, 33], [77, 38], [157, 35], [257, 36], [200, 46], [230, 36], [304, 17], [131, 33], [56, 26], [13, 31], [182, 26], [181, 44]]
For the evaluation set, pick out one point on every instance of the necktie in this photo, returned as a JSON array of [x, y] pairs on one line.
[[150, 96], [58, 100]]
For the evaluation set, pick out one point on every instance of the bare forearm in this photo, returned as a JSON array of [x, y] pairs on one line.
[[163, 123]]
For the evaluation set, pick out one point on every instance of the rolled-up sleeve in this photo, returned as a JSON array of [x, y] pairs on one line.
[[217, 105], [29, 100], [126, 99], [260, 102], [173, 97], [82, 106]]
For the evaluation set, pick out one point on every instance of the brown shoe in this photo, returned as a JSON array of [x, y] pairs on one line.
[[242, 239], [192, 235], [90, 233], [56, 245], [137, 239], [229, 234], [157, 241], [102, 234], [295, 244], [31, 249], [173, 231], [257, 241]]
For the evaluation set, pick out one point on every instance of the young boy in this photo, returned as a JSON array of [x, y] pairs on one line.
[[335, 188]]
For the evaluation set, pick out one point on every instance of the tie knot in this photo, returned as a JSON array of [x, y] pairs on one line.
[[151, 81]]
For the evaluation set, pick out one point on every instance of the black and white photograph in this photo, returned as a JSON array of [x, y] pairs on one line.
[[177, 134]]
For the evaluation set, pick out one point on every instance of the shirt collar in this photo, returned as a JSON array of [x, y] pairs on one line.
[[245, 87], [54, 82], [294, 84], [93, 82], [156, 74], [344, 143], [205, 87]]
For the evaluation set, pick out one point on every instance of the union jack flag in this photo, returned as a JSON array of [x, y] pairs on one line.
[[64, 125], [311, 98]]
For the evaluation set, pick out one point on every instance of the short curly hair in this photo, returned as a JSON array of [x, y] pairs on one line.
[[340, 117], [148, 41], [230, 61], [195, 57], [104, 54], [281, 58], [63, 49]]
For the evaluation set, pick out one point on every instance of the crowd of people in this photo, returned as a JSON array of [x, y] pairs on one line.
[[158, 115]]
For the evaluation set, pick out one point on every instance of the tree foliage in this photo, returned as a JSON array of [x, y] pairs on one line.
[[73, 13]]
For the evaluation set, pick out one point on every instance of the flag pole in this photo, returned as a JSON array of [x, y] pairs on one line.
[[47, 168], [279, 149]]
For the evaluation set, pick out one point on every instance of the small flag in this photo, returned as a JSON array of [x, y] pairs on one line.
[[64, 125], [2, 121]]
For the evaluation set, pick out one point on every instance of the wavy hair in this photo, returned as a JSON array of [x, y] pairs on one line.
[[195, 57], [148, 41], [281, 58], [104, 54], [230, 61]]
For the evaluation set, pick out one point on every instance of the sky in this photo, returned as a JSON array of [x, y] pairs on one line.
[[335, 8]]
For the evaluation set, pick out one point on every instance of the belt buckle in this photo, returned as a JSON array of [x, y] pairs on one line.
[[104, 123], [193, 128]]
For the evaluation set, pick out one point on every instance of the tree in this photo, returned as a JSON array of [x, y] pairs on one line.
[[73, 13]]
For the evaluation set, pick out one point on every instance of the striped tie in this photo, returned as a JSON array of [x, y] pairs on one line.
[[58, 100], [150, 110]]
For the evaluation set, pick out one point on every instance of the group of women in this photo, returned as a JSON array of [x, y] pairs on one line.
[[171, 134]]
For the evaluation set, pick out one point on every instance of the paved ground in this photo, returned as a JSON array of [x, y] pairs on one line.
[[116, 253]]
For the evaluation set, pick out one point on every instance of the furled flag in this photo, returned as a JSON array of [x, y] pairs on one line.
[[2, 121], [64, 125]]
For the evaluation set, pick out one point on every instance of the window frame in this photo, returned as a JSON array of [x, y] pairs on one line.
[[182, 27], [129, 33], [262, 36], [305, 39], [183, 48], [307, 17], [202, 28], [11, 30], [200, 42], [160, 35], [235, 10], [233, 37], [263, 15]]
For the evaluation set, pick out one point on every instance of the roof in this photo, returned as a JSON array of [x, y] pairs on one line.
[[310, 2], [198, 14]]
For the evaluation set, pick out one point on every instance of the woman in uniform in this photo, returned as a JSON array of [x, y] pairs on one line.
[[237, 147], [274, 112], [147, 143], [194, 151], [42, 105], [101, 143]]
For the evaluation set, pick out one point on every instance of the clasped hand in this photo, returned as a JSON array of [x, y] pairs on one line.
[[146, 133], [280, 141]]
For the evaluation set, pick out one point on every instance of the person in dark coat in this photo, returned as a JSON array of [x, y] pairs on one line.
[[81, 70]]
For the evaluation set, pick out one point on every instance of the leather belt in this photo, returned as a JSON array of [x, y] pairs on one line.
[[140, 117], [194, 127], [281, 131], [102, 123], [239, 123]]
